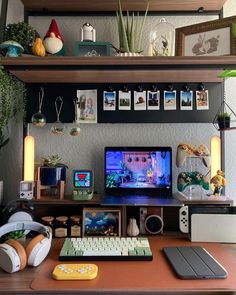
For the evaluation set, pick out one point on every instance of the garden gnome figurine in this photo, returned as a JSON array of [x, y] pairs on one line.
[[53, 41], [218, 182]]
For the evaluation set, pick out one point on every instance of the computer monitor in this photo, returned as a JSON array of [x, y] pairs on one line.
[[138, 169]]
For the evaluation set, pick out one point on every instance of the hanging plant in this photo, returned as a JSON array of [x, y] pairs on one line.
[[12, 102]]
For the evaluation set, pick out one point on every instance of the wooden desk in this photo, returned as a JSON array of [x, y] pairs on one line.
[[130, 278]]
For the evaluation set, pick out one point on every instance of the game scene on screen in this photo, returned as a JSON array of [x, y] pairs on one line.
[[138, 169], [82, 179]]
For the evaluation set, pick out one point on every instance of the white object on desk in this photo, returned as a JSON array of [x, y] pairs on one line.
[[220, 228]]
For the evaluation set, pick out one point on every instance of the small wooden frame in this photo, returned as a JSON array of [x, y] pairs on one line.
[[60, 187]]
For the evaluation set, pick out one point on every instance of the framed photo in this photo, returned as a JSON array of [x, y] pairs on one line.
[[101, 222], [140, 100], [213, 38], [124, 100], [170, 100], [202, 100], [186, 100], [109, 100], [84, 48], [153, 100], [87, 106]]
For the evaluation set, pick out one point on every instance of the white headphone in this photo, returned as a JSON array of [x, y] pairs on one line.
[[14, 257]]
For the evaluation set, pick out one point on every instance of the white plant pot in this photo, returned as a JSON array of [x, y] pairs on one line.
[[129, 54], [1, 191]]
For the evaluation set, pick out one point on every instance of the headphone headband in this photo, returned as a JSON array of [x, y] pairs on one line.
[[26, 225]]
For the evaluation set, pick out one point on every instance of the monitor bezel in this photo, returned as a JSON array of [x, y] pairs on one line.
[[138, 190], [83, 171]]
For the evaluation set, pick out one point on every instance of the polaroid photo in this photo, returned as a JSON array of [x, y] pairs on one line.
[[87, 106], [170, 100], [109, 100], [202, 100], [140, 100], [124, 100], [153, 100], [186, 100]]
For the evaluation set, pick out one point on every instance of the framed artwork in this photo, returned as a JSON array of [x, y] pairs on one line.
[[85, 48], [87, 106], [109, 100], [124, 100], [153, 100], [140, 100], [213, 38], [202, 100], [186, 100], [101, 222], [170, 100]]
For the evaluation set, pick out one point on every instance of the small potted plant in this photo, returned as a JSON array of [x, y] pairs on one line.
[[130, 32], [223, 120], [52, 171]]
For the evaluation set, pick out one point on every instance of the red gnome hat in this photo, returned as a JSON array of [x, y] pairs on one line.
[[54, 29]]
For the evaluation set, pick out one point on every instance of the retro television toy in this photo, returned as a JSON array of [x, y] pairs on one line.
[[83, 185]]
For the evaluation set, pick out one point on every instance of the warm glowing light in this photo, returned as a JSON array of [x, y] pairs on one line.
[[29, 158], [215, 155]]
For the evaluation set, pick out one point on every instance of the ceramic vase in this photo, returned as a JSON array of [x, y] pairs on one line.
[[132, 229]]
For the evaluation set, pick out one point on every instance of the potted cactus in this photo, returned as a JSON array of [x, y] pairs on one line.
[[130, 32], [52, 171], [223, 120]]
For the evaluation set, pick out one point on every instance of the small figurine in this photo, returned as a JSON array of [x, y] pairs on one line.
[[53, 41], [218, 182], [88, 33]]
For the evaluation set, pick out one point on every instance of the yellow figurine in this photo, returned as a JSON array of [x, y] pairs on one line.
[[218, 182]]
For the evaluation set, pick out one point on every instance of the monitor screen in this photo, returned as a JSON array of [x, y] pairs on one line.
[[82, 179], [138, 168]]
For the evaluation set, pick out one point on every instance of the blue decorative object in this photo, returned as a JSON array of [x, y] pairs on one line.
[[52, 175], [14, 49]]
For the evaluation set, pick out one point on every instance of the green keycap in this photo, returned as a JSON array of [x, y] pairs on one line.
[[132, 253]]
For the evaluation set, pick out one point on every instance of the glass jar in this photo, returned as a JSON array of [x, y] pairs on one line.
[[48, 221], [61, 227], [162, 39], [75, 227]]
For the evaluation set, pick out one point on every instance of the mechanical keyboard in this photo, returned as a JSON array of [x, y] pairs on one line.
[[106, 248]]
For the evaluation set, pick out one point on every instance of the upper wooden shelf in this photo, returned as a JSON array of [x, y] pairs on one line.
[[131, 5], [118, 69]]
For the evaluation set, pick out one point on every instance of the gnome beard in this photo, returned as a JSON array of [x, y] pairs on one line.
[[53, 44]]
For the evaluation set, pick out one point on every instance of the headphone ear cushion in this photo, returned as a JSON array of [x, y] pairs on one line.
[[38, 249], [20, 251]]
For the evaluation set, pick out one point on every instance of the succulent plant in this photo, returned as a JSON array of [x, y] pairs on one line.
[[223, 116], [130, 31], [22, 33], [53, 161]]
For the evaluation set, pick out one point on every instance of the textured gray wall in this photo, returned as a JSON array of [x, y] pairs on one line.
[[87, 150]]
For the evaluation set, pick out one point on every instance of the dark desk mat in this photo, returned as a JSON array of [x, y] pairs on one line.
[[138, 275]]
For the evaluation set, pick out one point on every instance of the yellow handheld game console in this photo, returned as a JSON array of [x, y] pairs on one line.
[[69, 271]]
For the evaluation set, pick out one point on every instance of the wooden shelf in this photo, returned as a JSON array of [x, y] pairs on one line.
[[53, 200], [118, 69], [111, 5]]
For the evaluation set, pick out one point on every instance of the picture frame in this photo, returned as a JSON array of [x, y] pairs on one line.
[[153, 100], [85, 48], [202, 100], [109, 100], [212, 38], [170, 100], [186, 100], [100, 222], [87, 106], [124, 100], [140, 100]]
